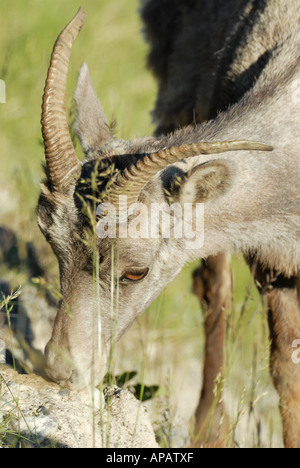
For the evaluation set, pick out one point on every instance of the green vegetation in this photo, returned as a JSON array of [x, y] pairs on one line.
[[165, 346]]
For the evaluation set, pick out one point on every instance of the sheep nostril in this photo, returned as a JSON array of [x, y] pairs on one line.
[[57, 363]]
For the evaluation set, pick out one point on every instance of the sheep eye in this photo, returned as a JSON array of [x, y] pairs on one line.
[[134, 275]]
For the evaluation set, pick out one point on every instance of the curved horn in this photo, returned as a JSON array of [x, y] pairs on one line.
[[62, 161], [133, 179]]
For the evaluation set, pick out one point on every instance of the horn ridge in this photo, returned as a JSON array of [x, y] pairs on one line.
[[133, 179], [61, 158]]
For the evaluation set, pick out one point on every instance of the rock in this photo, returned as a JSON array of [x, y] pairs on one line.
[[37, 427], [41, 414], [27, 327], [127, 419]]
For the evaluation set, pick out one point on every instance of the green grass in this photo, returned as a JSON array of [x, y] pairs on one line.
[[110, 43], [166, 345]]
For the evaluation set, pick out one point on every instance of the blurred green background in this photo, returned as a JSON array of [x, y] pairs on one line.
[[166, 344], [110, 43]]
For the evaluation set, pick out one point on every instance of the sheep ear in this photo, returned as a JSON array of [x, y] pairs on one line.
[[91, 125], [207, 181]]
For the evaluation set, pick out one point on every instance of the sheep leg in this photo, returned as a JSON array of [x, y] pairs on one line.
[[212, 285], [283, 307]]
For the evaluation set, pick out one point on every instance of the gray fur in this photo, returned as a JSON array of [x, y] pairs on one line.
[[91, 125], [256, 211]]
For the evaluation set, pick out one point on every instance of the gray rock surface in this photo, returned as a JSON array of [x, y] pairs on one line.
[[36, 413]]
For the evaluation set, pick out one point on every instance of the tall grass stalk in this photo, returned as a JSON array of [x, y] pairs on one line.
[[7, 304]]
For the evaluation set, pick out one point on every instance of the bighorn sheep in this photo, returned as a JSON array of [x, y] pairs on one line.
[[250, 196], [229, 44]]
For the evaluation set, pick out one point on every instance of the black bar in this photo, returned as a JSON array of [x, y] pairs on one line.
[[138, 457]]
